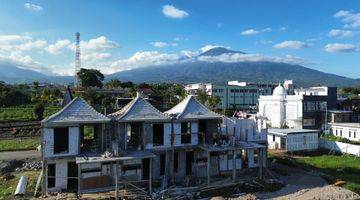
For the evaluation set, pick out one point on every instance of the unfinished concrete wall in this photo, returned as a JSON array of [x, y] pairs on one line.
[[148, 131], [194, 133], [61, 169], [167, 134], [121, 135], [48, 136]]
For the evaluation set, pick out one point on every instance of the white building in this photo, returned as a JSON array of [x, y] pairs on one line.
[[235, 94], [293, 111], [350, 131], [293, 139]]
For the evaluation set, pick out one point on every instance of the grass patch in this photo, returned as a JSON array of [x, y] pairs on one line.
[[19, 144], [23, 113], [342, 167], [7, 188]]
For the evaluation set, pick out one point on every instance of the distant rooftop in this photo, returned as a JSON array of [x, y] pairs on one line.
[[348, 124], [287, 131]]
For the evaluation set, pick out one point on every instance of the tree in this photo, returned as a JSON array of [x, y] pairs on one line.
[[113, 83], [202, 96], [213, 101], [90, 78], [39, 111], [36, 85], [127, 84]]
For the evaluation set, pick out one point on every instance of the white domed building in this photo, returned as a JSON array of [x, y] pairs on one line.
[[282, 110]]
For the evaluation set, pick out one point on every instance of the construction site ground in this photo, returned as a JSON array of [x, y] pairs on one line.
[[297, 183]]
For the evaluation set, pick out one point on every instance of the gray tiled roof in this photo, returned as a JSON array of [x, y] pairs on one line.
[[77, 111], [138, 110], [191, 108]]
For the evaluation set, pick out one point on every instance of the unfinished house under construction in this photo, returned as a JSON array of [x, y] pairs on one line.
[[141, 148]]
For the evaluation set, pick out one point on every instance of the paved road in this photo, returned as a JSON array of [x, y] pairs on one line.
[[19, 155]]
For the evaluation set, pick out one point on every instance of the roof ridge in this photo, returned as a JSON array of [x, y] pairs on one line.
[[123, 111], [60, 111], [186, 105]]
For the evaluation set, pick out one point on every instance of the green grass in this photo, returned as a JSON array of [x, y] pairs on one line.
[[19, 144], [23, 113], [7, 188], [342, 167]]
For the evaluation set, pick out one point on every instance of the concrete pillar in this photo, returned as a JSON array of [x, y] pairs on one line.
[[234, 166], [117, 180], [260, 160], [79, 180], [150, 176], [208, 168]]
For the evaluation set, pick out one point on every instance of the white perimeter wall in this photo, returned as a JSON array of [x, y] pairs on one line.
[[340, 147], [300, 142]]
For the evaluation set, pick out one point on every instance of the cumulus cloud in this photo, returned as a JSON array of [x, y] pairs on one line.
[[349, 18], [249, 32], [172, 12], [33, 7], [18, 45], [340, 33], [6, 39], [144, 58], [291, 44], [57, 47], [342, 48], [162, 44]]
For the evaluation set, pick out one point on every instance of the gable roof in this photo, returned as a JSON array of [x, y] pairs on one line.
[[191, 108], [77, 111], [139, 110]]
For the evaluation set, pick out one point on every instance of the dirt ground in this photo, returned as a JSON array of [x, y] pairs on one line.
[[303, 185]]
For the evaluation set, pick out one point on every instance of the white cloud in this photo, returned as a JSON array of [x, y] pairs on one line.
[[57, 47], [264, 42], [37, 44], [338, 47], [291, 44], [172, 12], [249, 32], [33, 7], [23, 46], [142, 59], [351, 19], [162, 44], [340, 33], [98, 44], [209, 46], [6, 39], [254, 31], [238, 57], [266, 29], [283, 28]]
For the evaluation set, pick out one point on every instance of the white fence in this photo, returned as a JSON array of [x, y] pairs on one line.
[[340, 147]]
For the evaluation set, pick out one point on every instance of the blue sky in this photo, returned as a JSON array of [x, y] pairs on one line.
[[121, 35]]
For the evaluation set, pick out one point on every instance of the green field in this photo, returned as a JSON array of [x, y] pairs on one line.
[[342, 167], [19, 144], [23, 113]]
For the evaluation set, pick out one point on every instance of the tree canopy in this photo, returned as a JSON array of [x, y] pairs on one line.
[[90, 78]]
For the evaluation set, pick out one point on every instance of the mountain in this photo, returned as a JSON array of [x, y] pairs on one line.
[[221, 72], [13, 74], [218, 51]]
